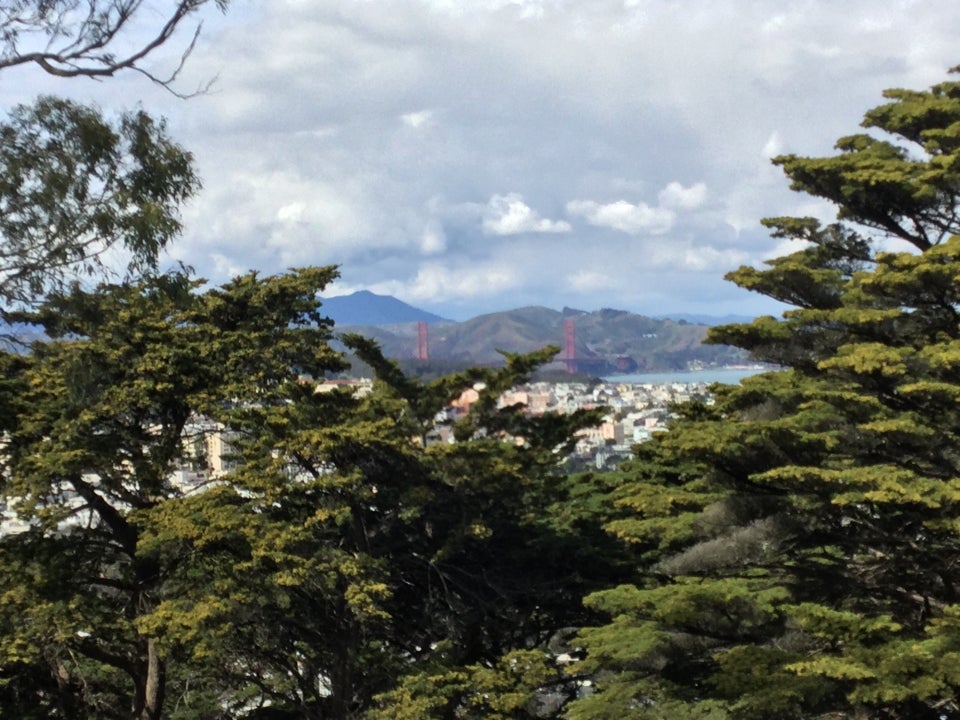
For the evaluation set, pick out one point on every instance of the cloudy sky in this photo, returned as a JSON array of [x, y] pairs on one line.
[[475, 155]]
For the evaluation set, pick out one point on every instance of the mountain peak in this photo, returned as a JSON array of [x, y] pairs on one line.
[[367, 308]]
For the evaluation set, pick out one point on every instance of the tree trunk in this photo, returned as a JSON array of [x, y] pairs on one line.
[[340, 703], [148, 703], [155, 683]]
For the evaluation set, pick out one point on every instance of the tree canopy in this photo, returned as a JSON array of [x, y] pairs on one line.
[[75, 185], [801, 534], [342, 545], [351, 554], [101, 415], [198, 526]]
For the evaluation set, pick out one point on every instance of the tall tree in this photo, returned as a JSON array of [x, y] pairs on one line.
[[801, 535], [74, 185], [100, 419], [350, 546], [355, 547]]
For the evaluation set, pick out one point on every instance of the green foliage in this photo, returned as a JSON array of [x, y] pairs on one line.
[[73, 184], [348, 560], [371, 549], [100, 415], [800, 536], [522, 684], [350, 549]]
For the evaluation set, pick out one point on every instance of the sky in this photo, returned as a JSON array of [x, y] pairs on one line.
[[469, 156]]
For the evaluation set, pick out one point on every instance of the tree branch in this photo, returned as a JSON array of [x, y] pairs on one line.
[[87, 47]]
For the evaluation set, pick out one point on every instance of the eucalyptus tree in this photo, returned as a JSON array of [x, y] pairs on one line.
[[96, 38], [75, 185]]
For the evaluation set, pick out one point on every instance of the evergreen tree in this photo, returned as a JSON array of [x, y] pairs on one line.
[[100, 416], [354, 545], [801, 535], [359, 538]]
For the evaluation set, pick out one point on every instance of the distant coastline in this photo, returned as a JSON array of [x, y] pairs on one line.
[[727, 375]]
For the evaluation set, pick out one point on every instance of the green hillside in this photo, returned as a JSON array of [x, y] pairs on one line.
[[605, 340]]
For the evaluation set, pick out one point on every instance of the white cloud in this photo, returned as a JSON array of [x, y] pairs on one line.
[[383, 141], [433, 240], [586, 281], [510, 215], [624, 216], [703, 259], [224, 267], [291, 213], [641, 218], [437, 280], [677, 197], [417, 119]]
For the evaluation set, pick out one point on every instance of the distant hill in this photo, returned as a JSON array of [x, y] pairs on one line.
[[367, 308], [605, 341]]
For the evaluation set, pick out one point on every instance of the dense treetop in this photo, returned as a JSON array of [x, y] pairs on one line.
[[801, 534]]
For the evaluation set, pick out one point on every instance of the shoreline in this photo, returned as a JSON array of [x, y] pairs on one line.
[[730, 375]]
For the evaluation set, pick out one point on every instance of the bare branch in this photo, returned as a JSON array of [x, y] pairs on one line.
[[98, 41]]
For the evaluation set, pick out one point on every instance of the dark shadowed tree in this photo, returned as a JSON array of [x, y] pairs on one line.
[[351, 546], [356, 547]]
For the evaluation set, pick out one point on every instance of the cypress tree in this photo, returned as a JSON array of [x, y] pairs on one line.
[[800, 536]]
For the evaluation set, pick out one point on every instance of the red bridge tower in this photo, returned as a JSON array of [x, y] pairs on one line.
[[423, 342]]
